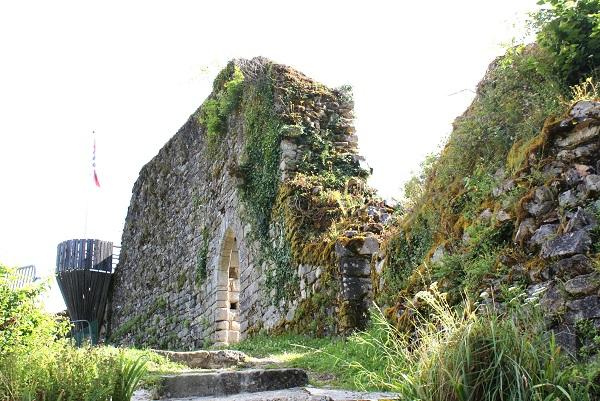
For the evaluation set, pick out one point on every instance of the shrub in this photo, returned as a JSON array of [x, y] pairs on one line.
[[570, 31], [214, 112], [37, 361]]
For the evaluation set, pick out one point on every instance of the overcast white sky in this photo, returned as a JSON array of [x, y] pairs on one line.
[[134, 71]]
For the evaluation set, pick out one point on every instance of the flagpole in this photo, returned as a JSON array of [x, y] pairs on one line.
[[88, 189]]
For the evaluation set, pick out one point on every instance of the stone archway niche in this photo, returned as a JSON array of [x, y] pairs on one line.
[[227, 313]]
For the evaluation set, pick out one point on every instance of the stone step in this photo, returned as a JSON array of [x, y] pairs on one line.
[[230, 382], [294, 394], [206, 359]]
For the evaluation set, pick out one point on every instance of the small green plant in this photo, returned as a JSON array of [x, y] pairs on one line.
[[128, 375], [202, 258], [214, 112]]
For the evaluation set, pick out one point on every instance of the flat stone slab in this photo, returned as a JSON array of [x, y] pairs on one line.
[[230, 382], [206, 359], [295, 394]]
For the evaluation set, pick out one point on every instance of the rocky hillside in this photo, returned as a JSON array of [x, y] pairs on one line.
[[508, 211]]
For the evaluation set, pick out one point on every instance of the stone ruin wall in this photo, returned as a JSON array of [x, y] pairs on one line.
[[186, 204], [559, 227]]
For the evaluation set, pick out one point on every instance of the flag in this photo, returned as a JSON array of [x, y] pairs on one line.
[[96, 181]]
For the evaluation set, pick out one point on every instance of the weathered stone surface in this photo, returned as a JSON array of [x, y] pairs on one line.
[[568, 199], [585, 308], [566, 338], [568, 268], [581, 220], [584, 152], [228, 383], [206, 359], [503, 216], [369, 247], [543, 233], [585, 109], [583, 285], [355, 267], [566, 245], [553, 301], [525, 230], [486, 215], [294, 394], [592, 183], [438, 254], [355, 288], [578, 137], [572, 177]]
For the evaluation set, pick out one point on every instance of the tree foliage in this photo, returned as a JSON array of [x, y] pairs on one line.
[[570, 31]]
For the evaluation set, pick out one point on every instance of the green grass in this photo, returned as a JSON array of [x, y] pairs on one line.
[[332, 361], [453, 354]]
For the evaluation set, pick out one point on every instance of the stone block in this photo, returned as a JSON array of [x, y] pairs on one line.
[[578, 137], [221, 336], [355, 288], [543, 233], [567, 199], [355, 267], [233, 336], [222, 325], [583, 285], [222, 280], [566, 245], [526, 228], [585, 308], [369, 247], [585, 108], [552, 302], [592, 183], [221, 314]]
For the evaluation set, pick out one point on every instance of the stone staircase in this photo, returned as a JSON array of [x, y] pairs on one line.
[[230, 382], [224, 376]]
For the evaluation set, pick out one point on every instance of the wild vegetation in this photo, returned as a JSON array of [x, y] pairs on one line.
[[39, 362], [524, 89], [468, 353]]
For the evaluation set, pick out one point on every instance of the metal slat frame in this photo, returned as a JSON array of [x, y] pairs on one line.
[[83, 272]]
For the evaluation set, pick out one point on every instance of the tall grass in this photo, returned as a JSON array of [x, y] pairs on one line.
[[469, 355]]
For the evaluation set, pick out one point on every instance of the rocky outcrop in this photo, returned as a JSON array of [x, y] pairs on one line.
[[559, 224]]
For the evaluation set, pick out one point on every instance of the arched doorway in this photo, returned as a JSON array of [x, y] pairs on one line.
[[228, 292]]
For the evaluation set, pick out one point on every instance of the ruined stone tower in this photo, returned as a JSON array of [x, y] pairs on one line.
[[254, 216]]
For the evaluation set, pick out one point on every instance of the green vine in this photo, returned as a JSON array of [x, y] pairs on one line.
[[202, 259], [261, 155], [133, 325]]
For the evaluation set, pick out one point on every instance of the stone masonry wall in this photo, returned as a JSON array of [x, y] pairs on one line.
[[190, 273], [558, 228]]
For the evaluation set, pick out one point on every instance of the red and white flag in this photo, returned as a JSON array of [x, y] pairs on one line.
[[96, 181]]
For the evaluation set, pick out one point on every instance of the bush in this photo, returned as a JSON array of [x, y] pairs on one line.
[[570, 31], [37, 361]]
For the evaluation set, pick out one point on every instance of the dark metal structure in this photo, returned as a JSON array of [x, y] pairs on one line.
[[83, 271], [24, 275]]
